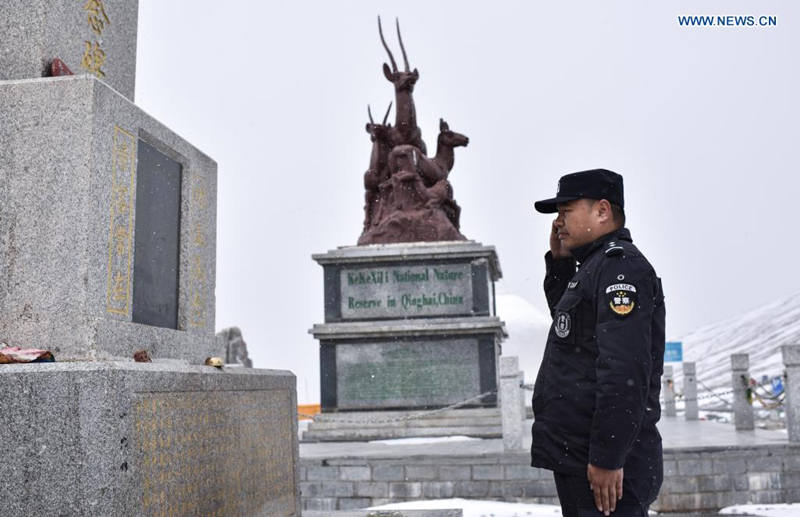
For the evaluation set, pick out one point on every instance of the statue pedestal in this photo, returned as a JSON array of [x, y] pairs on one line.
[[408, 326]]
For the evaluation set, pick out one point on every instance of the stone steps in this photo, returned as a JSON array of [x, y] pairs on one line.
[[375, 415], [434, 422], [382, 425], [346, 435]]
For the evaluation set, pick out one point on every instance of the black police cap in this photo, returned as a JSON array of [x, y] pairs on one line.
[[592, 184]]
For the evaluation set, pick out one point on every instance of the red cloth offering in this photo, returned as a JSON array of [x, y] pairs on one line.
[[15, 354]]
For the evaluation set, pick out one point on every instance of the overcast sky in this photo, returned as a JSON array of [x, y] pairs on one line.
[[702, 122]]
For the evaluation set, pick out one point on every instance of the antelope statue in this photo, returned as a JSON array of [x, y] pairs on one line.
[[408, 197], [433, 172], [438, 168], [378, 172], [442, 190], [405, 122]]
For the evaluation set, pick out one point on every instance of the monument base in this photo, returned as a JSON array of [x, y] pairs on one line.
[[409, 326], [408, 364], [119, 438], [364, 426]]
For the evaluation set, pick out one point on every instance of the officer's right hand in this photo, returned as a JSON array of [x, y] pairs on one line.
[[556, 247]]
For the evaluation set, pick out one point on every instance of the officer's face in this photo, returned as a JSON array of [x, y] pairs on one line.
[[577, 223]]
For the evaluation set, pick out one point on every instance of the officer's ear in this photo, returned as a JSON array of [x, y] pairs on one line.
[[602, 210]]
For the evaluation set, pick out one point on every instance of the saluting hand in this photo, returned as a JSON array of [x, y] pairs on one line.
[[556, 247], [606, 486]]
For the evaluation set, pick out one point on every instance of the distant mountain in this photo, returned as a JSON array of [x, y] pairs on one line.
[[527, 328], [759, 333]]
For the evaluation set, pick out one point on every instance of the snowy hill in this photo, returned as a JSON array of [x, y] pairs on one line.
[[527, 328], [760, 333]]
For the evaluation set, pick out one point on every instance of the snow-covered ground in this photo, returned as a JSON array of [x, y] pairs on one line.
[[432, 439], [765, 510], [473, 508]]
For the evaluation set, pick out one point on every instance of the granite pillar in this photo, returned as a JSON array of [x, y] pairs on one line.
[[740, 384], [690, 391], [511, 408], [95, 37], [668, 388], [791, 387], [108, 247]]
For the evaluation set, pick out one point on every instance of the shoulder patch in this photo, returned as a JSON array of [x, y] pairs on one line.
[[613, 251], [621, 298]]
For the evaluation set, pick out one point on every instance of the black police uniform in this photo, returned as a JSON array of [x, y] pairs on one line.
[[596, 397]]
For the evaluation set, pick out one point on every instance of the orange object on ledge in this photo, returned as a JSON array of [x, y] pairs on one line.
[[308, 411]]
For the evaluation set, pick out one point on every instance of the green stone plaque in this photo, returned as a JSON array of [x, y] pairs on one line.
[[407, 374], [406, 291]]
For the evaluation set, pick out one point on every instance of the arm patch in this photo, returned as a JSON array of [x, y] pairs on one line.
[[622, 298]]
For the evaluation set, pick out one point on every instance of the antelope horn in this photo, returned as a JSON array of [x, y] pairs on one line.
[[369, 112], [400, 38], [391, 57], [386, 117]]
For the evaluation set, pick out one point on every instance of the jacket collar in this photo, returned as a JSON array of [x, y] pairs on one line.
[[581, 253]]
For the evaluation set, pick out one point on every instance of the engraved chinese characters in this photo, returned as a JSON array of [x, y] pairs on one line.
[[230, 451], [160, 240], [120, 253], [94, 56], [44, 38]]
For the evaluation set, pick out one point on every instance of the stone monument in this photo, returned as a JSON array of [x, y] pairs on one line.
[[410, 320], [107, 249]]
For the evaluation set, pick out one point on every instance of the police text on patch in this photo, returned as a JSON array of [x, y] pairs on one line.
[[621, 287]]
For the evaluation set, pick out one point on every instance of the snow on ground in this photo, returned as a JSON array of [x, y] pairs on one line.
[[474, 508], [417, 441], [765, 510]]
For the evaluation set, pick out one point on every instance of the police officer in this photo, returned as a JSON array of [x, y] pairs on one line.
[[595, 401]]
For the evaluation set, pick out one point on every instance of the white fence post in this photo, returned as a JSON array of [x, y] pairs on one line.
[[690, 391], [740, 380], [791, 387], [668, 388], [511, 403]]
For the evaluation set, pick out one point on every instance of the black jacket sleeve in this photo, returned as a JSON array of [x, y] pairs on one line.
[[626, 294], [558, 273]]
